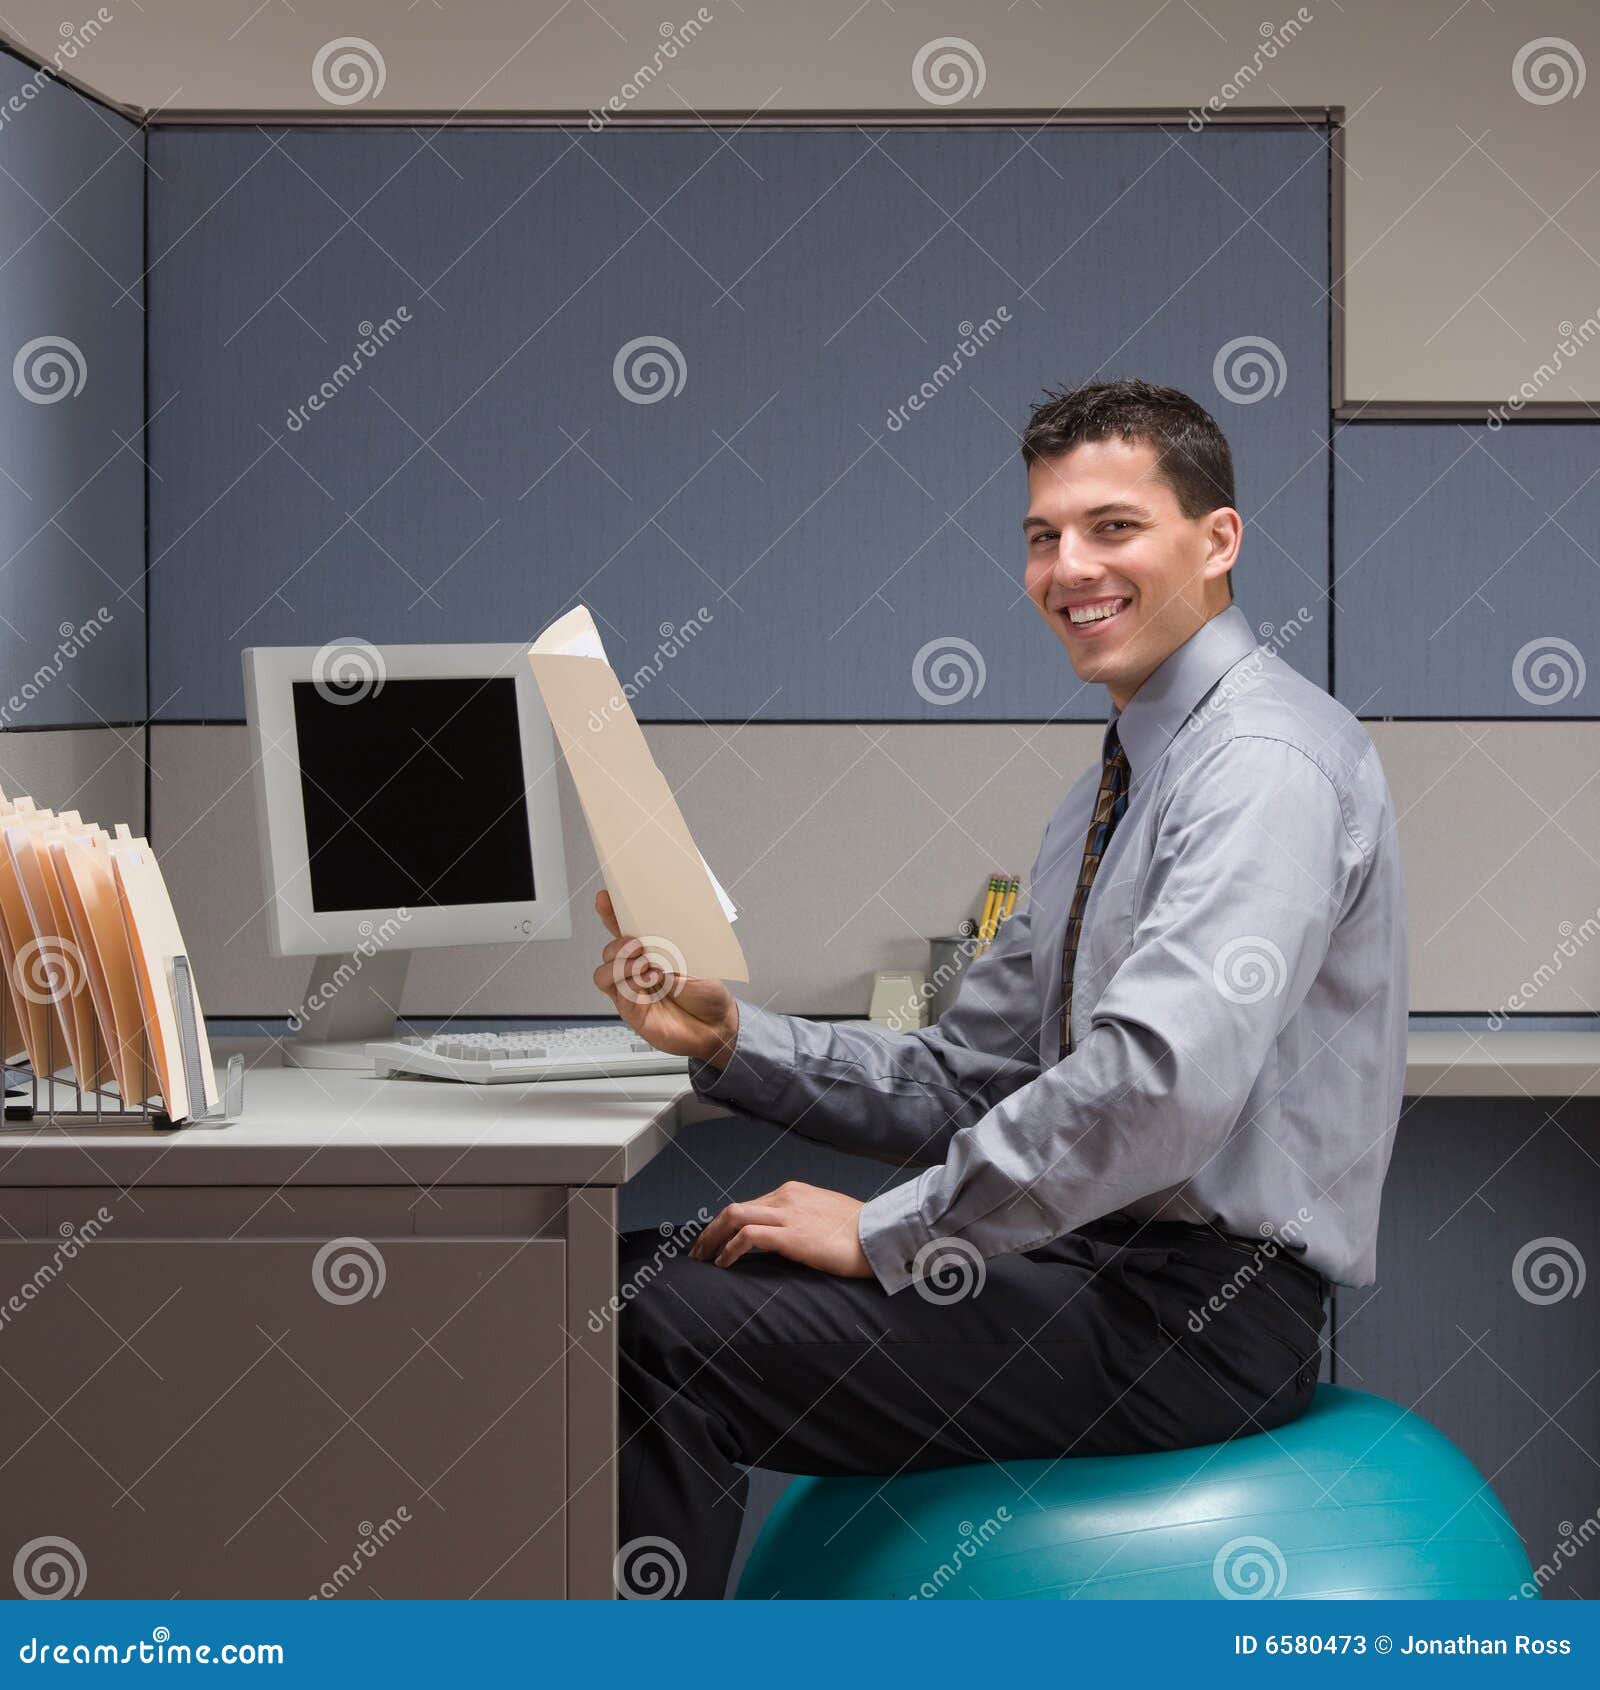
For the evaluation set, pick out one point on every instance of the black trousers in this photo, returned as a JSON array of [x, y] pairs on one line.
[[1117, 1338]]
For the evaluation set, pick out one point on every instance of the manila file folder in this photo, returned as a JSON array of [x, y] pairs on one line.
[[660, 886]]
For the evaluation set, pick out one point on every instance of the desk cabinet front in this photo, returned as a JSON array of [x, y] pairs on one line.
[[285, 1417]]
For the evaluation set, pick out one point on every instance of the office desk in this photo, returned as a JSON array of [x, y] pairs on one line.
[[210, 1401], [203, 1410]]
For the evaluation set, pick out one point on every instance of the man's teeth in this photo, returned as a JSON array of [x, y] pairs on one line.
[[1097, 613]]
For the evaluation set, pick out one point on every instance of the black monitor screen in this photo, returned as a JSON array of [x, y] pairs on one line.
[[413, 793]]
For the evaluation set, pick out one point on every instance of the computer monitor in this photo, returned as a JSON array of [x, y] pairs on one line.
[[405, 797]]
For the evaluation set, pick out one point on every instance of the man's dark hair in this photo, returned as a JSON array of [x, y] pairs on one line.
[[1192, 454]]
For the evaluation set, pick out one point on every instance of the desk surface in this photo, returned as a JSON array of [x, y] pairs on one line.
[[328, 1127], [1503, 1064], [332, 1127]]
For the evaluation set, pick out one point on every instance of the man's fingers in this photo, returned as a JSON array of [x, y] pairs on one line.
[[749, 1238], [616, 947], [723, 1227], [602, 906]]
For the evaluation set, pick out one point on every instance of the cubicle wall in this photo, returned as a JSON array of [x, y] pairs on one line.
[[753, 396], [663, 372], [72, 412]]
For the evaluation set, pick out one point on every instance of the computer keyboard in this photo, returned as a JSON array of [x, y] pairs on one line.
[[612, 1051]]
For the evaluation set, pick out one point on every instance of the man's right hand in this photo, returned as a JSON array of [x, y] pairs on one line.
[[677, 1013]]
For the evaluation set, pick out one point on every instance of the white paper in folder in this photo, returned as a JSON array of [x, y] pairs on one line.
[[660, 884]]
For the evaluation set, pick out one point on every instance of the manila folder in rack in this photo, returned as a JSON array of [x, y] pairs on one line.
[[154, 940], [659, 883]]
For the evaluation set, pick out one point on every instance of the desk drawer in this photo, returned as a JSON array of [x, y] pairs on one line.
[[284, 1417]]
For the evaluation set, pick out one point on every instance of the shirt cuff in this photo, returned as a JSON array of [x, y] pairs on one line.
[[760, 1067], [892, 1231]]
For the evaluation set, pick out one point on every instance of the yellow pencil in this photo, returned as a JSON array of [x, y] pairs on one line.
[[985, 932], [1012, 888]]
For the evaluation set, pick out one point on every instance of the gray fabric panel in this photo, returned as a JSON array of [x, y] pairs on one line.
[[483, 469], [846, 847], [99, 772], [845, 851], [71, 395], [1445, 1331], [1467, 573]]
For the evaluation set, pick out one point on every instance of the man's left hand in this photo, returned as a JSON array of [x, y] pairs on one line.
[[818, 1228]]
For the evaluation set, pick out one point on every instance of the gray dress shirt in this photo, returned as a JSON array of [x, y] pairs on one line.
[[1239, 1002]]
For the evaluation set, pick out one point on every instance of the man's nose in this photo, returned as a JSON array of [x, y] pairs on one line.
[[1072, 566]]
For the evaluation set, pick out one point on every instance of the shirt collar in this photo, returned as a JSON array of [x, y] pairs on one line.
[[1177, 684]]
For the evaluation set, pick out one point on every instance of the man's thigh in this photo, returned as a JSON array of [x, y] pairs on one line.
[[1073, 1350]]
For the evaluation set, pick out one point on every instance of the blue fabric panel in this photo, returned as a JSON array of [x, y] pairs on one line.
[[71, 407], [484, 468], [1468, 569]]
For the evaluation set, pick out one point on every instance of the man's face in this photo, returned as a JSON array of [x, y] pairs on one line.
[[1104, 532]]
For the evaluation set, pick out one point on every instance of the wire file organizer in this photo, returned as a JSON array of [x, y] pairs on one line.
[[41, 1105]]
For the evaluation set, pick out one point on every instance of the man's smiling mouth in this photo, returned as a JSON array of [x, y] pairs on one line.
[[1095, 615]]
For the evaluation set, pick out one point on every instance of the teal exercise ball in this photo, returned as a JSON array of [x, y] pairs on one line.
[[1356, 1498]]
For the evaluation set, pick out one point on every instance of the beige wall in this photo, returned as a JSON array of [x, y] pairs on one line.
[[846, 846], [1473, 222]]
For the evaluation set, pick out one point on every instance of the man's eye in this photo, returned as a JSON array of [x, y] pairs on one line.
[[1042, 536]]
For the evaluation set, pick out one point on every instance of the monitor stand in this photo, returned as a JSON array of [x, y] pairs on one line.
[[349, 999]]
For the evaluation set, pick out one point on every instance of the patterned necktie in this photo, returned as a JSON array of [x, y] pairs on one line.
[[1108, 808]]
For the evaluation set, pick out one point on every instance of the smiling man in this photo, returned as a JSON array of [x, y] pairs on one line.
[[1153, 1128]]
